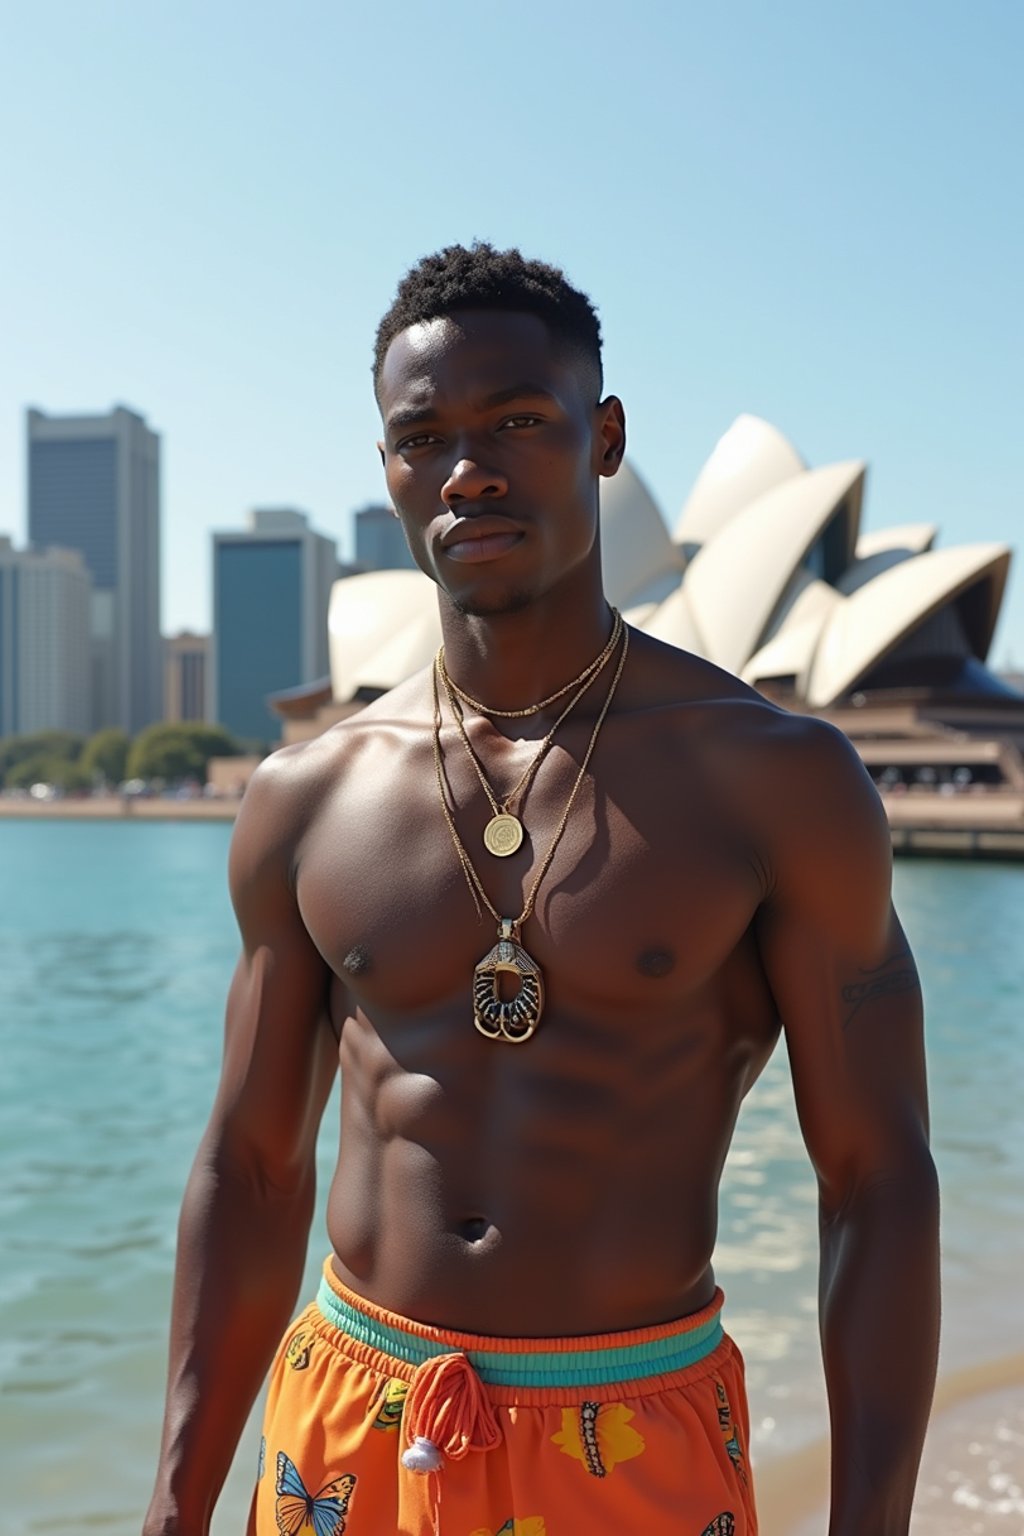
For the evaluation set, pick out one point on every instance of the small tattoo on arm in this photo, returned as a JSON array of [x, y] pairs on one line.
[[894, 976]]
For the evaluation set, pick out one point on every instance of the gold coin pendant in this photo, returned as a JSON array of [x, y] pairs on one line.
[[503, 835]]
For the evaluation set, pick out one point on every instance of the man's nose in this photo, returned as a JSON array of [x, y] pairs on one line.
[[472, 481]]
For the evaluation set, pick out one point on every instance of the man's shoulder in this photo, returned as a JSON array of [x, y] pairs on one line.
[[803, 793], [705, 701], [791, 768], [291, 782], [785, 775], [733, 712]]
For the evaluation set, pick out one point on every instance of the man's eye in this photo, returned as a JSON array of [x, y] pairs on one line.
[[521, 421], [418, 440]]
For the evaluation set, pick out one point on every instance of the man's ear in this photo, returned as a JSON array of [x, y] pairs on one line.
[[380, 450], [609, 436]]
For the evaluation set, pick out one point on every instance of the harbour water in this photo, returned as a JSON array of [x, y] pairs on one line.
[[116, 947]]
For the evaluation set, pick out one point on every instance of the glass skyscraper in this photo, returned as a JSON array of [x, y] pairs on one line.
[[94, 486], [271, 590], [44, 640], [380, 542]]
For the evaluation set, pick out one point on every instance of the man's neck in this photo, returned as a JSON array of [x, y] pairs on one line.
[[513, 660]]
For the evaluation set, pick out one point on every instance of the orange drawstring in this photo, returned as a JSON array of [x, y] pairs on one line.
[[446, 1414]]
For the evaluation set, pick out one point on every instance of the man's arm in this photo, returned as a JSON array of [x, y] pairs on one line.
[[849, 998], [249, 1200]]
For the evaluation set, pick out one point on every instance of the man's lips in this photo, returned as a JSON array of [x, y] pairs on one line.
[[489, 547], [473, 540]]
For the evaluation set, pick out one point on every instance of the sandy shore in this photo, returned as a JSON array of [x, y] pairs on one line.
[[970, 1410], [117, 808]]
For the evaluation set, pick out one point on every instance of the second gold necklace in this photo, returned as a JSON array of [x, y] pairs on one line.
[[503, 834], [511, 1020]]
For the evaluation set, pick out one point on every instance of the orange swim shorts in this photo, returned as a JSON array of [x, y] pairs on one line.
[[376, 1425]]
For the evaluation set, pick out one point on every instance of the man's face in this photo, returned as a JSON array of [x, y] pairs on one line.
[[492, 451]]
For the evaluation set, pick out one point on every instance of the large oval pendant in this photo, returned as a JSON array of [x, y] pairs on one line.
[[513, 1019], [503, 834]]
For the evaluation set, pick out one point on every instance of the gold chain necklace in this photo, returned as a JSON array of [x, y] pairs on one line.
[[534, 709], [503, 834], [515, 1019]]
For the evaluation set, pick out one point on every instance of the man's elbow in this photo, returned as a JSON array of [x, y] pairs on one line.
[[905, 1180], [260, 1169]]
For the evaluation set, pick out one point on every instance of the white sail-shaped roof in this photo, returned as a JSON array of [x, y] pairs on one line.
[[789, 655], [749, 459], [673, 622], [372, 620], [735, 584], [639, 614], [790, 649], [411, 648], [639, 560], [915, 538], [866, 626], [878, 552]]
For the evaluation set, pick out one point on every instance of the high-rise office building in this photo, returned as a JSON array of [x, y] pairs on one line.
[[186, 665], [271, 589], [44, 641], [94, 486], [380, 542]]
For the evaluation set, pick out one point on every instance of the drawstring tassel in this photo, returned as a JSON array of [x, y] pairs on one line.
[[446, 1414], [422, 1456]]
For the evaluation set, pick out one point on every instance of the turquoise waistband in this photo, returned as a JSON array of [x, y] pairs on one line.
[[564, 1367]]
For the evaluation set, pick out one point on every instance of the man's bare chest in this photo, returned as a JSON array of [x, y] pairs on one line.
[[647, 895]]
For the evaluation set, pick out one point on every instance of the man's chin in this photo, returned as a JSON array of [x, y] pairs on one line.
[[491, 605]]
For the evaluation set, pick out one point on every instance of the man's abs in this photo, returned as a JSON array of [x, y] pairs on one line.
[[566, 1186]]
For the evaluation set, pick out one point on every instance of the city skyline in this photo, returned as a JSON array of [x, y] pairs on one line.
[[377, 554], [804, 216]]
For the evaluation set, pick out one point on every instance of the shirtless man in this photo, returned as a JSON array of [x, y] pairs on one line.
[[518, 1328]]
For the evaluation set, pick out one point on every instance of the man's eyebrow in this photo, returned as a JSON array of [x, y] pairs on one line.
[[416, 416], [413, 416]]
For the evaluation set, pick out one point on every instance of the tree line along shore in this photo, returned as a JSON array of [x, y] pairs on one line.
[[51, 766]]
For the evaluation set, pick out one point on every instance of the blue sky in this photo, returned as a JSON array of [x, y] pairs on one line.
[[809, 212]]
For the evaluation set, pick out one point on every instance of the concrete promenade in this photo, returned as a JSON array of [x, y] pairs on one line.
[[117, 808]]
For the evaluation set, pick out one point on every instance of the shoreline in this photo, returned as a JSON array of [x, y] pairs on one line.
[[1002, 843], [119, 808], [791, 1488]]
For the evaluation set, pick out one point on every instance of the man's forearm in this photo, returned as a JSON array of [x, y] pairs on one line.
[[241, 1254], [879, 1298]]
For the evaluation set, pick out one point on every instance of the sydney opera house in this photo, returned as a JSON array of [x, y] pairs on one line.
[[768, 574]]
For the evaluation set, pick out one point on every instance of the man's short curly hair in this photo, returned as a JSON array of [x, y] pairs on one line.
[[480, 277]]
